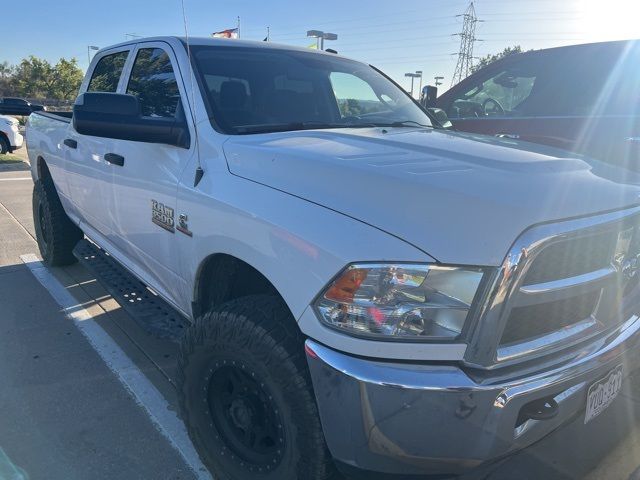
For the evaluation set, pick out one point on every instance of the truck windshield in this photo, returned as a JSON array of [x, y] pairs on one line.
[[259, 90]]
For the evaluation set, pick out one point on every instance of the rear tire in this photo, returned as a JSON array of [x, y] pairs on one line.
[[4, 145], [246, 394], [56, 234]]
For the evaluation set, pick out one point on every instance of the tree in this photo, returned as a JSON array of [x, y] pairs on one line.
[[68, 79], [487, 59], [36, 78], [6, 73]]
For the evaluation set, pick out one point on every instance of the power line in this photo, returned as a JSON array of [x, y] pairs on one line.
[[386, 16], [403, 45], [368, 28], [467, 41]]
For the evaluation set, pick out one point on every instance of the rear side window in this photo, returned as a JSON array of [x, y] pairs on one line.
[[154, 83], [107, 73]]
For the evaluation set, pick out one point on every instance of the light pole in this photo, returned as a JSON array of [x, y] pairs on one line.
[[321, 36], [438, 82], [412, 76], [89, 48]]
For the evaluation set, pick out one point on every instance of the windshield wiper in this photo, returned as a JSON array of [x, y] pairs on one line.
[[286, 127], [312, 125], [408, 123]]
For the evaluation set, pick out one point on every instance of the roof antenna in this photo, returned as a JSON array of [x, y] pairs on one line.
[[199, 170]]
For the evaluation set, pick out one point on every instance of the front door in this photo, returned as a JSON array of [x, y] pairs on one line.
[[145, 185]]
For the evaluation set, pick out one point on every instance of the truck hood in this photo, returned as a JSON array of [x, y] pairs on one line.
[[461, 198]]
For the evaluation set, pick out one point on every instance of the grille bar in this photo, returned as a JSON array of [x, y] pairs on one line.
[[564, 288], [577, 330]]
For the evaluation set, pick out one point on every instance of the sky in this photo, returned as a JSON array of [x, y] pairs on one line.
[[397, 37]]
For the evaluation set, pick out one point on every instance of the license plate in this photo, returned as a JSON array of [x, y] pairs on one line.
[[602, 393]]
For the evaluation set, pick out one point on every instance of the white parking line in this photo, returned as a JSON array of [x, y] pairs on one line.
[[139, 386], [14, 179]]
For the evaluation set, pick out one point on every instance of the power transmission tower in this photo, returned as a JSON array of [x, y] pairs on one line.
[[467, 40]]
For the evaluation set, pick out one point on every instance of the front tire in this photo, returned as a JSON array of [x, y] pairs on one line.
[[246, 395], [56, 234]]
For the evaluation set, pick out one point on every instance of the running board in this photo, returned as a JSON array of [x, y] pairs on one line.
[[150, 312]]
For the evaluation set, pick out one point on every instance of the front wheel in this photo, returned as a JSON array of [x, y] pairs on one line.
[[246, 395]]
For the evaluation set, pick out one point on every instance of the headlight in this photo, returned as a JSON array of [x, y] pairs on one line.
[[400, 301]]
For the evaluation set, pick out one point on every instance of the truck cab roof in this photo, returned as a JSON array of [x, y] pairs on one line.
[[220, 42]]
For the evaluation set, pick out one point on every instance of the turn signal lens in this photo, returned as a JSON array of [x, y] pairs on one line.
[[400, 301], [343, 289]]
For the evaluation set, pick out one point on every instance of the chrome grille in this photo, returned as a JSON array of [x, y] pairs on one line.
[[560, 285]]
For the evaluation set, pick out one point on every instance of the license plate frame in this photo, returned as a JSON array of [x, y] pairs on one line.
[[603, 392]]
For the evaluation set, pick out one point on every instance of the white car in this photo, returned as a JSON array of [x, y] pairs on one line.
[[366, 289], [10, 138]]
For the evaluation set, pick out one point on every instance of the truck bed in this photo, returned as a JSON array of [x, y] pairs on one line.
[[45, 134], [61, 116]]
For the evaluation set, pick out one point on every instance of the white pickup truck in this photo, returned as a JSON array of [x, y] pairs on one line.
[[366, 290], [10, 138]]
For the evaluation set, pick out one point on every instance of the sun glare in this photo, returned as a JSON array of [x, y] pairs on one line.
[[611, 20]]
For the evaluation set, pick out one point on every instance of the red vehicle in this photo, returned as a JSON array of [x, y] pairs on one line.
[[581, 98]]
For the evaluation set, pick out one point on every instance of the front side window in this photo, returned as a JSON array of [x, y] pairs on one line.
[[499, 95], [107, 72], [354, 95], [257, 90], [154, 83]]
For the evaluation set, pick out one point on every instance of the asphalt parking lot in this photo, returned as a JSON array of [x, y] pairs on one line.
[[88, 394]]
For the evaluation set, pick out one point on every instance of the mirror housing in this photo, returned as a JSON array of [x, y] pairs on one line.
[[115, 115], [429, 95], [441, 117]]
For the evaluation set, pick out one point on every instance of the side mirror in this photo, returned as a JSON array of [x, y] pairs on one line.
[[441, 117], [429, 95], [114, 115]]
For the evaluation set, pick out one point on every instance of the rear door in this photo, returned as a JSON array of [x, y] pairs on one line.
[[145, 186], [88, 174]]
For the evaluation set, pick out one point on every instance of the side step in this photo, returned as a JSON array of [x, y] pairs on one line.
[[149, 311]]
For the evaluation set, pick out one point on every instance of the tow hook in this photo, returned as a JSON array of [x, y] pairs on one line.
[[542, 409]]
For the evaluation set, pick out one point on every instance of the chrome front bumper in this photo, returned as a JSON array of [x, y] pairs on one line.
[[418, 419]]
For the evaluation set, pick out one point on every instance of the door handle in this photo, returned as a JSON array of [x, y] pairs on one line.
[[513, 136], [71, 143], [114, 158]]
